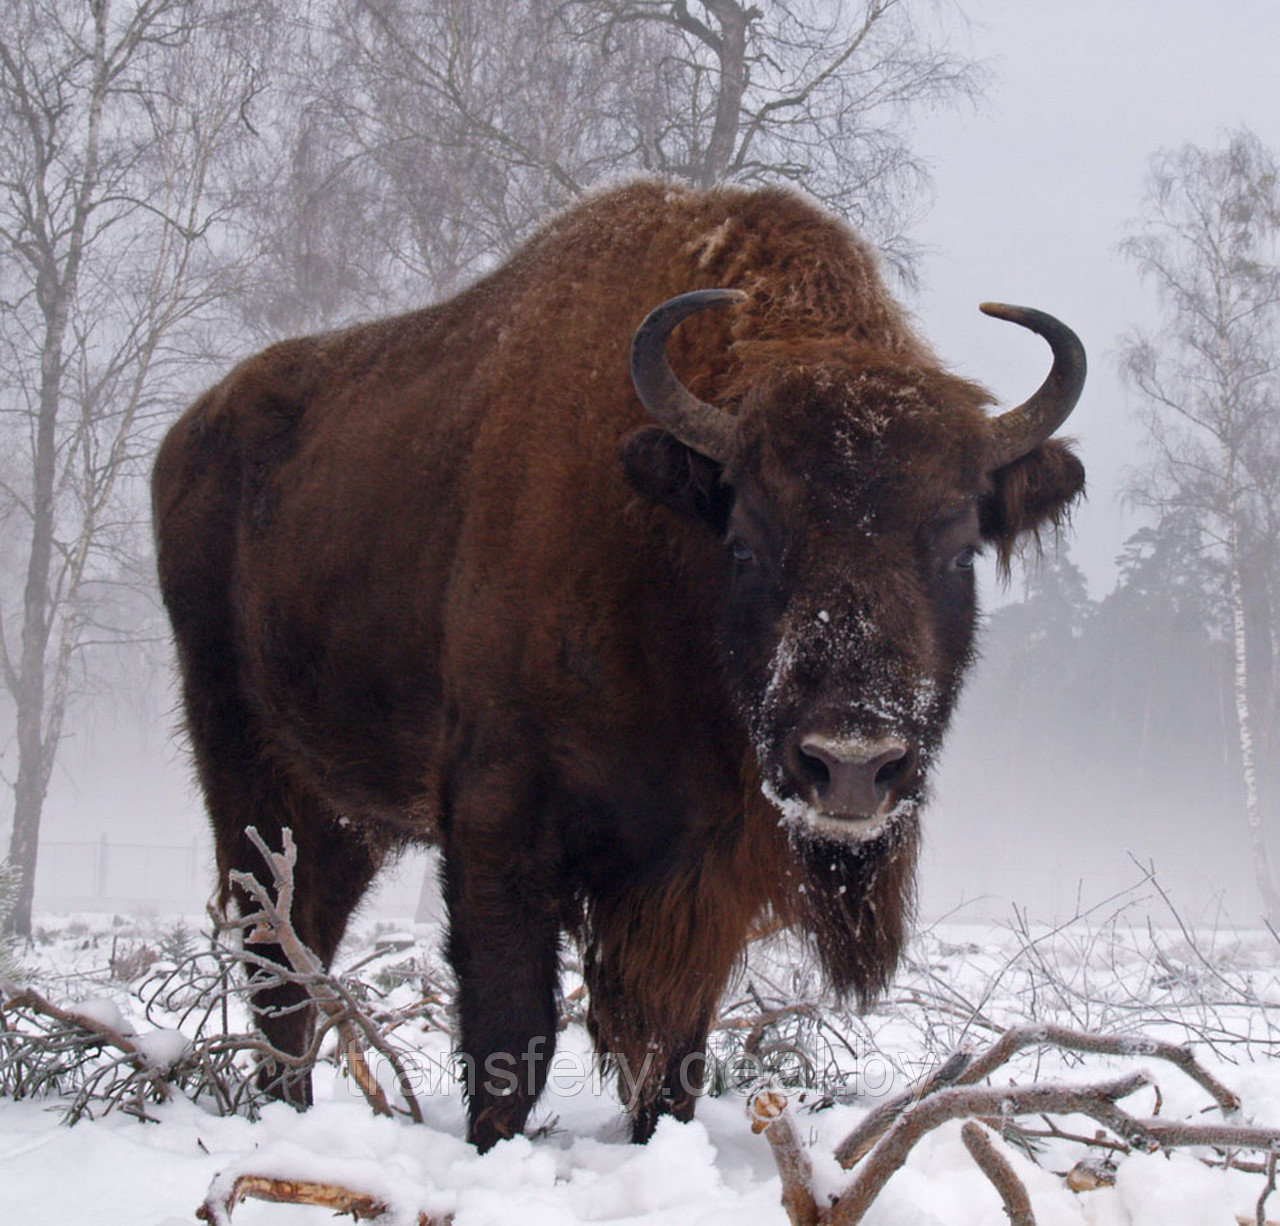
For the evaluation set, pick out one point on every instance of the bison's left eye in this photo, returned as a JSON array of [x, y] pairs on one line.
[[964, 559], [743, 554]]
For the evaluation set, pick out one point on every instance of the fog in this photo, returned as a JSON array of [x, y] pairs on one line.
[[1033, 189], [1033, 196]]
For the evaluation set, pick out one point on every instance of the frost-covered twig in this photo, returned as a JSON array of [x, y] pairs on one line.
[[882, 1142], [963, 1068], [92, 1059], [1192, 944], [97, 1033], [46, 1049], [994, 1165], [1018, 1037], [859, 1142], [272, 924], [1158, 1133], [1260, 1214], [44, 1046]]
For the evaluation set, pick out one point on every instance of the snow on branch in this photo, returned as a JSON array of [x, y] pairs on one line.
[[90, 1056], [881, 1144], [768, 1114], [42, 1044]]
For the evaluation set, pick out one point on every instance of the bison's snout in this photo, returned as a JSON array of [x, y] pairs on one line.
[[853, 777]]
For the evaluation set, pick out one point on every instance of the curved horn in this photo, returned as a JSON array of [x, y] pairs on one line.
[[696, 424], [1016, 432]]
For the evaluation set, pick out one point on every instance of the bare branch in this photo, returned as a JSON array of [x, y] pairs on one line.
[[364, 1207], [1096, 1100], [1260, 1216], [1017, 1204], [859, 1142], [15, 999], [1020, 1037], [767, 1111], [272, 924]]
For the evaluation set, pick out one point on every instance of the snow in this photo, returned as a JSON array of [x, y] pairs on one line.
[[163, 1048], [1157, 1190], [105, 1012], [577, 1166]]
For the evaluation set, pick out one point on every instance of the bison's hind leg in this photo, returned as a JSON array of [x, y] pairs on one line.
[[243, 786], [197, 486]]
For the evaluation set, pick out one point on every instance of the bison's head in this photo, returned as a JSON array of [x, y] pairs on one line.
[[851, 493]]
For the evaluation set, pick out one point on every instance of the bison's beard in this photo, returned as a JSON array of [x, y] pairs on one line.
[[854, 902]]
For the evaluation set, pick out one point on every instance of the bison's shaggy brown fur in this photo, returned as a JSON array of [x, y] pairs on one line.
[[438, 578]]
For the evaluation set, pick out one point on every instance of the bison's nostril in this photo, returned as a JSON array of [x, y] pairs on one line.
[[814, 771], [894, 770], [851, 777]]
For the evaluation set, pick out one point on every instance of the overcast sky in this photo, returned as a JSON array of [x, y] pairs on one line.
[[1035, 190]]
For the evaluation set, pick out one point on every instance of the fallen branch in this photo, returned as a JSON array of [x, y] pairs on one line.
[[16, 999], [994, 1165], [62, 1051], [860, 1141], [886, 1137], [47, 1049], [959, 1102], [1019, 1037], [963, 1069], [219, 1204], [1166, 1134]]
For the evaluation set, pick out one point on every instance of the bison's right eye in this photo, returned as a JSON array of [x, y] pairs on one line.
[[742, 553]]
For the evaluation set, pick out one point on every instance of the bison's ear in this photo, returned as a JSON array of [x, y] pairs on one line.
[[1034, 492], [664, 469]]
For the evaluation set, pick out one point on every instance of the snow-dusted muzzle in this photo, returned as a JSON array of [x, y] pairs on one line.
[[844, 731]]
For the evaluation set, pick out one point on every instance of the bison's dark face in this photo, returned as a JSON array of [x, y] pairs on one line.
[[851, 498], [849, 607]]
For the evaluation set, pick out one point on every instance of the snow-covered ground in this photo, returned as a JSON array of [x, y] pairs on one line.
[[962, 984]]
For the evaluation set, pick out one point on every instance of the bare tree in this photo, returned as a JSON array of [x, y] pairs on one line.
[[449, 128], [1210, 242], [808, 92], [460, 123], [114, 118]]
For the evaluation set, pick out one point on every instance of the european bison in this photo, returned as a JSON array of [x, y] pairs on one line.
[[651, 656]]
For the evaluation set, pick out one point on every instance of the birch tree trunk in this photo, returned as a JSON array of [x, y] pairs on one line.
[[1211, 380], [1245, 730]]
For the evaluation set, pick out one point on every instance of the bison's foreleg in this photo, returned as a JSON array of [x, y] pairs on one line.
[[658, 1046], [673, 1090], [656, 964], [504, 935]]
